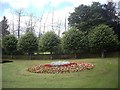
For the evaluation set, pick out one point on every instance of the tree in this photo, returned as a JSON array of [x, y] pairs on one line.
[[86, 17], [30, 24], [10, 44], [19, 14], [4, 26], [59, 49], [73, 41], [112, 19], [102, 38], [1, 30], [49, 42], [0, 48], [28, 43]]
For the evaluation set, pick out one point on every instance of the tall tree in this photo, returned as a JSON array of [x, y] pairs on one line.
[[111, 18], [86, 17], [49, 42], [19, 14], [73, 41], [40, 24], [13, 26], [46, 18], [30, 24], [118, 10], [52, 20], [28, 43], [102, 38], [110, 11], [4, 27], [10, 44]]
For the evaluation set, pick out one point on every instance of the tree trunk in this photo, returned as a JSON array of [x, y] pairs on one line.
[[11, 56], [75, 56], [103, 54], [51, 56], [30, 56]]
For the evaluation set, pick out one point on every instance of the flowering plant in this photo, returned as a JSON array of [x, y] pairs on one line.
[[61, 67]]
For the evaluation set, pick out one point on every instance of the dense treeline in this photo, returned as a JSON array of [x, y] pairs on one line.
[[93, 28], [101, 39]]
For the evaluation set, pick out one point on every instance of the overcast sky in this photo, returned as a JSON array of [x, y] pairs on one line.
[[59, 8]]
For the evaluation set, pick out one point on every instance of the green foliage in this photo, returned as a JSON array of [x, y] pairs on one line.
[[28, 43], [110, 11], [49, 42], [0, 42], [9, 44], [59, 49], [73, 41], [102, 37], [4, 26], [111, 18], [87, 17]]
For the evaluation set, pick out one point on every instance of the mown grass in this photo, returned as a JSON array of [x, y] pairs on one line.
[[104, 75]]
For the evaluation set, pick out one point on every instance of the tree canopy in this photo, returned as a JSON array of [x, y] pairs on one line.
[[84, 17], [87, 17], [49, 42], [4, 26], [9, 44], [73, 41], [102, 38], [28, 43]]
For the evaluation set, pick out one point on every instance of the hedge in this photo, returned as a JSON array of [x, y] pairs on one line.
[[61, 56]]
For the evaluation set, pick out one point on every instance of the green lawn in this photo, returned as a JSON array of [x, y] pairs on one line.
[[104, 75]]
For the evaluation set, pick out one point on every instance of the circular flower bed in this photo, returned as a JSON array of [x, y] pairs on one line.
[[61, 67]]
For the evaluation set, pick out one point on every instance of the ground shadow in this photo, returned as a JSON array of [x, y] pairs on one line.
[[7, 61]]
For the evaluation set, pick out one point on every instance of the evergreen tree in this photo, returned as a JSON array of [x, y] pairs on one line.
[[4, 27]]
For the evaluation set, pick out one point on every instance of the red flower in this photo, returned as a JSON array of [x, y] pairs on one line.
[[47, 65]]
